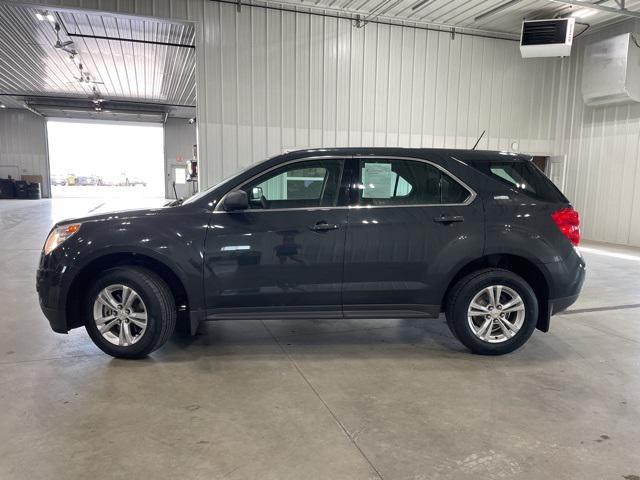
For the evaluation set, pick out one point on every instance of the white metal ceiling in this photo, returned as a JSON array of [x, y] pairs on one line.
[[124, 58], [153, 61], [496, 17]]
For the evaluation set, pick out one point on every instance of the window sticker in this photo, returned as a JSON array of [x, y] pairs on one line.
[[377, 180]]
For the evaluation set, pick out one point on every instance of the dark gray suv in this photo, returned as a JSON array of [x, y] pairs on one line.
[[484, 237]]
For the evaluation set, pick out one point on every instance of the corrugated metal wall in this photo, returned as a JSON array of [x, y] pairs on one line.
[[270, 80], [23, 146], [281, 80], [602, 145]]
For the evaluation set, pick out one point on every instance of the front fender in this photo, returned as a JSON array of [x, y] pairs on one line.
[[172, 239]]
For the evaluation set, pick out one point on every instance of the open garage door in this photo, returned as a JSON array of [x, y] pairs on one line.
[[102, 159]]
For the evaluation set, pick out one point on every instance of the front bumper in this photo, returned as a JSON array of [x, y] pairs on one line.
[[57, 319], [48, 286]]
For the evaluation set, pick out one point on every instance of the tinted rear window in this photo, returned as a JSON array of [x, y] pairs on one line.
[[523, 176]]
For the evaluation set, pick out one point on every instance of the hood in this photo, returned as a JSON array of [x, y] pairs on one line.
[[115, 215]]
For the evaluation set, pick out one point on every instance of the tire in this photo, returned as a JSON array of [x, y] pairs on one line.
[[152, 301], [497, 338]]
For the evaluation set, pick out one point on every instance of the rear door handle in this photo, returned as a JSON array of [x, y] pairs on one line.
[[323, 227], [449, 219]]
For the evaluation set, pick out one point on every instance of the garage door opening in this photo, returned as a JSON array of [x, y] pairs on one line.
[[98, 159]]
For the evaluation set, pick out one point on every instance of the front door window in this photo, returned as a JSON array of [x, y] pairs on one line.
[[305, 184]]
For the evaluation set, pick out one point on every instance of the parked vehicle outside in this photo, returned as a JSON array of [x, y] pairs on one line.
[[87, 181], [483, 237], [134, 182], [121, 180], [58, 180]]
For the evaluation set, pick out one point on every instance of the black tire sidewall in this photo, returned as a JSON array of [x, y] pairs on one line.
[[131, 278], [459, 322]]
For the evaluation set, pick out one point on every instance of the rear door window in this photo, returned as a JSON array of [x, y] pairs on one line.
[[407, 182]]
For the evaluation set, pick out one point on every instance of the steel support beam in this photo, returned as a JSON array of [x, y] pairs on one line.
[[597, 6], [31, 109], [360, 18]]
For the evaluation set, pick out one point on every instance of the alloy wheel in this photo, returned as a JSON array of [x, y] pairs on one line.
[[496, 314], [120, 315]]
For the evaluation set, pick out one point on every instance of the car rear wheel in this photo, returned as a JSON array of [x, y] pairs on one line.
[[130, 312], [492, 311]]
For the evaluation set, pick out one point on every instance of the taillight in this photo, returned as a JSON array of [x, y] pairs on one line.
[[568, 221]]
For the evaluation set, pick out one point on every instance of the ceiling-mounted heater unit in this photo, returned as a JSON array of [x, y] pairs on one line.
[[547, 38]]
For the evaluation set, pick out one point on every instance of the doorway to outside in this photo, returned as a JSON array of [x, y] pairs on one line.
[[102, 159]]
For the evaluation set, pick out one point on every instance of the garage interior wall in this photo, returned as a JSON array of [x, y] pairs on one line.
[[290, 80], [23, 146], [179, 139], [280, 80], [602, 145], [285, 80]]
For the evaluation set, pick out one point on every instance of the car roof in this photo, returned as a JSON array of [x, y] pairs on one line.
[[459, 154]]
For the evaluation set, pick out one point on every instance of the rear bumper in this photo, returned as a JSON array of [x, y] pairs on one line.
[[561, 304], [567, 280], [565, 283]]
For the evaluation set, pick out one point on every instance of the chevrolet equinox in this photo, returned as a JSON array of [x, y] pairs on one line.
[[483, 237]]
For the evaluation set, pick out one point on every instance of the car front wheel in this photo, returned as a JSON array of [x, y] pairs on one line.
[[492, 311], [130, 312]]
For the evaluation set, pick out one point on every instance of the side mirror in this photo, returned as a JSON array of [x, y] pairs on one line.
[[236, 200], [256, 193]]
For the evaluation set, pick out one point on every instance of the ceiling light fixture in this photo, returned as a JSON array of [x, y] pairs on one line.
[[43, 15], [2, 105]]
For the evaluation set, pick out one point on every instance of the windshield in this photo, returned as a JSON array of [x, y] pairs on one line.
[[203, 193]]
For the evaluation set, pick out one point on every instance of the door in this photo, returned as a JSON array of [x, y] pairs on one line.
[[415, 225], [541, 163], [285, 253], [557, 169], [177, 176]]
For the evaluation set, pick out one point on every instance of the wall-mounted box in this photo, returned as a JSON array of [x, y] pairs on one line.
[[611, 71]]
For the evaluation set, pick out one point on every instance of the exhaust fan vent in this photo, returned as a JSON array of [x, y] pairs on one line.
[[542, 33]]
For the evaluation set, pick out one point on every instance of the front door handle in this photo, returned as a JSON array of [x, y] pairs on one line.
[[449, 219], [323, 227]]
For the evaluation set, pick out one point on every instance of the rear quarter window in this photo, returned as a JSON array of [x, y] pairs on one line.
[[523, 176]]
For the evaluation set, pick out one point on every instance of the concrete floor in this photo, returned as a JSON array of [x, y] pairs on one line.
[[318, 399]]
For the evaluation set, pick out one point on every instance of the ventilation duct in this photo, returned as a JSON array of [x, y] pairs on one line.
[[611, 71]]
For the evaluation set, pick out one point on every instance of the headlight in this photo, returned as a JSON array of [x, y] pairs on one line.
[[59, 235]]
